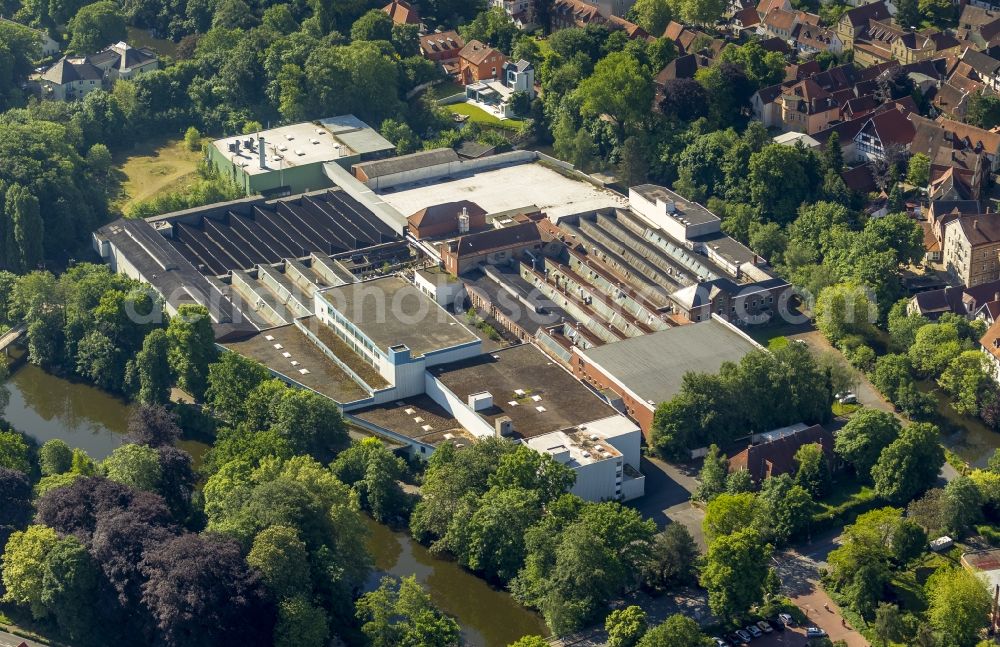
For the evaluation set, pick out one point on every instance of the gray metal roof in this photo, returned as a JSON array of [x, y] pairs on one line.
[[653, 366], [405, 163]]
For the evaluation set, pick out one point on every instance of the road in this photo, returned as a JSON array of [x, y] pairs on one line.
[[10, 640], [799, 572], [11, 336]]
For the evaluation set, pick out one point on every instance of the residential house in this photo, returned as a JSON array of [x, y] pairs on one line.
[[806, 107], [520, 77], [978, 25], [778, 23], [959, 166], [883, 41], [985, 68], [990, 343], [522, 12], [773, 453], [443, 48], [49, 46], [971, 248], [479, 62], [812, 39], [565, 14], [402, 12], [122, 61], [884, 131], [70, 79], [977, 302], [766, 6], [853, 23], [967, 136], [745, 19], [618, 8], [497, 95]]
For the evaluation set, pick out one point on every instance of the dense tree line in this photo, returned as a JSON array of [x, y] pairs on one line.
[[763, 392]]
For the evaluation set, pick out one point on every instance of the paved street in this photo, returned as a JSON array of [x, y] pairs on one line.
[[799, 572]]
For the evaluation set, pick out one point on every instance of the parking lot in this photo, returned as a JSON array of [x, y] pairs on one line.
[[790, 636]]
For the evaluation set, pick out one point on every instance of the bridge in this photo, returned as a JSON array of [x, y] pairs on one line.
[[12, 336]]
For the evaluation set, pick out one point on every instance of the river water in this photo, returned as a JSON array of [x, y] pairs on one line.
[[45, 406]]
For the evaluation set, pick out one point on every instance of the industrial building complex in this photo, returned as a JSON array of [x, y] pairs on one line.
[[439, 299]]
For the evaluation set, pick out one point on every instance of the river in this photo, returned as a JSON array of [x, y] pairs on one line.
[[45, 406]]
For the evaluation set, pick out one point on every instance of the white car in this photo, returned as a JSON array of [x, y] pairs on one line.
[[815, 632], [786, 619], [848, 398]]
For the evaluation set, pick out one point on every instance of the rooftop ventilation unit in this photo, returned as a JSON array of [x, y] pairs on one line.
[[480, 401]]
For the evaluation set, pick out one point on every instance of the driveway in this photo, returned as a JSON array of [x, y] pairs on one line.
[[799, 571], [867, 394], [668, 497]]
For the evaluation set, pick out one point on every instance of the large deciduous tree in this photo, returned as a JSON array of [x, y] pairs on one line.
[[192, 348], [736, 568]]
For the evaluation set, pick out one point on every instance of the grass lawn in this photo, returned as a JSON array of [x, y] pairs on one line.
[[908, 586], [479, 115], [157, 167], [847, 499], [445, 89], [844, 410]]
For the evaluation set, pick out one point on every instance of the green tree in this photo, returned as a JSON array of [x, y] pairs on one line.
[[888, 625], [676, 631], [55, 457], [401, 613], [619, 87], [919, 170], [26, 225], [24, 567], [150, 371], [963, 504], [192, 139], [96, 26], [845, 309], [672, 558], [813, 472], [530, 641], [14, 454], [833, 154], [937, 12], [984, 110], [651, 15], [903, 326], [373, 472], [532, 471], [192, 348], [713, 474], [374, 25], [958, 606], [633, 168], [301, 624], [780, 179], [908, 14], [910, 464], [739, 481], [967, 379], [137, 466], [231, 380], [783, 509], [282, 560], [727, 513], [863, 438], [492, 26], [703, 12], [736, 568], [625, 626]]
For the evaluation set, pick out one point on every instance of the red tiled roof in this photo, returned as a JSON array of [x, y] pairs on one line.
[[778, 456], [402, 13]]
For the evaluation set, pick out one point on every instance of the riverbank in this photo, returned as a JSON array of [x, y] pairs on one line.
[[45, 406]]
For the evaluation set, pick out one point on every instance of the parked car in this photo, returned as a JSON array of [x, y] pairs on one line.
[[776, 623], [719, 642], [735, 639], [743, 635], [815, 632], [765, 626], [754, 631], [786, 619], [848, 398]]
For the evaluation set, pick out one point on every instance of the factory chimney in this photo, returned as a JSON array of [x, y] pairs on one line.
[[261, 155]]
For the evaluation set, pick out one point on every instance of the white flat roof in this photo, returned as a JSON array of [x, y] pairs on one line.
[[302, 144], [508, 188]]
